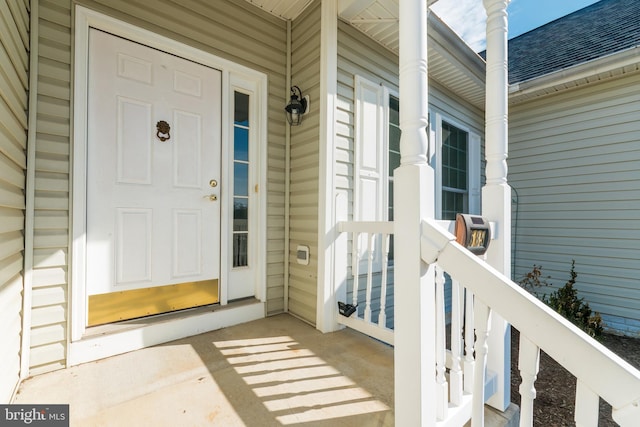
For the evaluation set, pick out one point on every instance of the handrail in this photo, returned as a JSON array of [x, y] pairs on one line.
[[595, 366], [384, 226]]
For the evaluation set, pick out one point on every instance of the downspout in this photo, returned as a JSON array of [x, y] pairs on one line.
[[27, 295], [287, 174]]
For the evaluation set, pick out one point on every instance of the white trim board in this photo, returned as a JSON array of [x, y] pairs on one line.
[[233, 76], [99, 347], [326, 307]]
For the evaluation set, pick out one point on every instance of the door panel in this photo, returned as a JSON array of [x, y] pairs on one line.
[[187, 243], [133, 142], [188, 163], [133, 245], [150, 220]]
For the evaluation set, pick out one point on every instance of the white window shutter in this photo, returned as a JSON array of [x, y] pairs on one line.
[[474, 173], [370, 161]]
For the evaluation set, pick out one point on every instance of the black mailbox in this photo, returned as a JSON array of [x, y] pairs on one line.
[[473, 232]]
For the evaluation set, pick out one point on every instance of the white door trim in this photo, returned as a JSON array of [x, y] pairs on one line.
[[231, 72]]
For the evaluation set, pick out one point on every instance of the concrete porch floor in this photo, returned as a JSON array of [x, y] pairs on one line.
[[276, 371]]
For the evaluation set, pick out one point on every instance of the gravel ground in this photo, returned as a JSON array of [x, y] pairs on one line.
[[556, 388]]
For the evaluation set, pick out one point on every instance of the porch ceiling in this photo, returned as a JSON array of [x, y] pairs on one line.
[[451, 62], [285, 9]]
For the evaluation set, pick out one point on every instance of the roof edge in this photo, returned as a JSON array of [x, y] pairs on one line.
[[447, 37], [576, 75]]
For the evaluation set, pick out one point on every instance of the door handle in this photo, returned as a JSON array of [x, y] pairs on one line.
[[211, 197]]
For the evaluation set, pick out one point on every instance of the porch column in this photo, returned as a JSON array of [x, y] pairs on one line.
[[496, 194], [413, 200]]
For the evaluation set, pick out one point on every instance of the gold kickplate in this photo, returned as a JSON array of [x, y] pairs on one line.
[[124, 305]]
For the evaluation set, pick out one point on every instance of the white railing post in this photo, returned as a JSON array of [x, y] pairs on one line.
[[482, 315], [496, 194], [469, 341], [413, 200], [442, 387], [367, 301], [528, 364], [587, 406], [355, 268], [382, 317], [455, 374]]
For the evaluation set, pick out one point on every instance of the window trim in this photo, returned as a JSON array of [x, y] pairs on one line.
[[388, 93], [255, 268], [473, 160]]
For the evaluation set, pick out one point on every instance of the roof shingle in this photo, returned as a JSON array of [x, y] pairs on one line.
[[601, 29]]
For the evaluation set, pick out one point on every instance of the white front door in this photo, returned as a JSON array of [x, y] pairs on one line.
[[153, 179]]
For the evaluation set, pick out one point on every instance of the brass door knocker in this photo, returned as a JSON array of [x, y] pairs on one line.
[[163, 130]]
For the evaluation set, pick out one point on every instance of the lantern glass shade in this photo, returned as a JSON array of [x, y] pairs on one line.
[[296, 107]]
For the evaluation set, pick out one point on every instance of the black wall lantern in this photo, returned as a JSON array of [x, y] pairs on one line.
[[296, 107]]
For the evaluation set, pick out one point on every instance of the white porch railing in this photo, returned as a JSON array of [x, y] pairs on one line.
[[377, 236], [455, 340], [476, 290]]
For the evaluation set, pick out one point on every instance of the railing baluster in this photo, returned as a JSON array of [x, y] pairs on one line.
[[587, 406], [482, 315], [356, 268], [529, 364], [382, 317], [442, 388], [367, 303], [455, 373], [469, 341]]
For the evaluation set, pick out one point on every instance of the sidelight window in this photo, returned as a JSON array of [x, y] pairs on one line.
[[241, 126]]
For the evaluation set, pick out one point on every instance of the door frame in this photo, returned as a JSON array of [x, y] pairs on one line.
[[234, 77]]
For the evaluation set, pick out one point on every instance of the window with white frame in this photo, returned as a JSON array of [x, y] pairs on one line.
[[393, 147], [393, 150], [455, 166], [241, 128], [456, 160]]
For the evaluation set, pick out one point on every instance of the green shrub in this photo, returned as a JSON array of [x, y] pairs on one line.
[[532, 281], [565, 300]]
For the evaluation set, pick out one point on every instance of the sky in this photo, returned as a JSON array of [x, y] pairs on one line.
[[467, 17]]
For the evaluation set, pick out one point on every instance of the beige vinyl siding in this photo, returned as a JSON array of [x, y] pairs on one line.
[[303, 220], [14, 61], [234, 30], [574, 159], [51, 208]]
